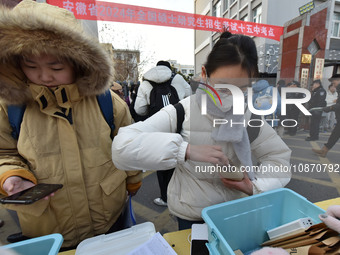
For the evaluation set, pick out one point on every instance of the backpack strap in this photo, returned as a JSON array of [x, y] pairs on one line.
[[180, 116], [15, 116], [16, 113], [106, 106], [253, 132]]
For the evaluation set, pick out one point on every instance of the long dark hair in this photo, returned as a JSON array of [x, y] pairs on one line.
[[233, 49]]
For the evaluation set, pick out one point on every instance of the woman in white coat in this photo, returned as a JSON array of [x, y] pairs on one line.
[[203, 150]]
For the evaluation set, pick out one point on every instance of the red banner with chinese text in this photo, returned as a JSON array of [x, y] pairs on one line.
[[105, 11]]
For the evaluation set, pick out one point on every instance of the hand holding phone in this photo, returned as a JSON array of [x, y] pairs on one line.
[[31, 195], [14, 184]]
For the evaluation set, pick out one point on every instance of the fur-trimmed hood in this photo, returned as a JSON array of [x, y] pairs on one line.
[[35, 28]]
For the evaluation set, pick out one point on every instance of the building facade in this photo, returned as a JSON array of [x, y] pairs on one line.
[[311, 45], [187, 70], [272, 12], [125, 63]]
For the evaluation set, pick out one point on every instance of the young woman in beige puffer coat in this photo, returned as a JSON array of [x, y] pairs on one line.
[[50, 65]]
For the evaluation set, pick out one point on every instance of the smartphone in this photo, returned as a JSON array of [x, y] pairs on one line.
[[199, 237], [31, 195]]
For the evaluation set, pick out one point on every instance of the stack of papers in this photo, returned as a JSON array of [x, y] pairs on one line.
[[157, 245]]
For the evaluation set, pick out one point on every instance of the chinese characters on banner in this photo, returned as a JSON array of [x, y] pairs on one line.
[[97, 10], [304, 77], [319, 62]]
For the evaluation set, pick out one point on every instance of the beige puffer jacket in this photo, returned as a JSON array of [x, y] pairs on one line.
[[51, 148]]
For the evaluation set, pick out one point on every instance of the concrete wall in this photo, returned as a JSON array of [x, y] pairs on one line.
[[279, 12], [201, 58]]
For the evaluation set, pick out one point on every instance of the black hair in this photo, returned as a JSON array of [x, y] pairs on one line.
[[281, 83], [233, 49], [164, 63], [294, 83], [317, 81]]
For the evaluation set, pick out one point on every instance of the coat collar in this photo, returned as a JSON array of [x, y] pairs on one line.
[[55, 99]]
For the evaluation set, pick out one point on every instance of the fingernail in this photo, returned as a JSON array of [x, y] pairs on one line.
[[324, 216]]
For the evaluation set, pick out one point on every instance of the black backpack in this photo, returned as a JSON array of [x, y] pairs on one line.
[[161, 95]]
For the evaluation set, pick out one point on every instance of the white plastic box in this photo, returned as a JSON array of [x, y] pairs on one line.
[[118, 243]]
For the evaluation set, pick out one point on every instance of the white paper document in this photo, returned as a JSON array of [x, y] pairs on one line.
[[157, 245]]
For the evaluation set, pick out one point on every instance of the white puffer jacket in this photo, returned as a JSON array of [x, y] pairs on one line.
[[153, 144], [159, 74]]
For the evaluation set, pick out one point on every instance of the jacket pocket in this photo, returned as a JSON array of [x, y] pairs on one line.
[[114, 194], [36, 209]]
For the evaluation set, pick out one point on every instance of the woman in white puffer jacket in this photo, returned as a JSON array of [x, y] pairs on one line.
[[201, 149]]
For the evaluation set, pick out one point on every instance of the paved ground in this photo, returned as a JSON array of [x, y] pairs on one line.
[[314, 186]]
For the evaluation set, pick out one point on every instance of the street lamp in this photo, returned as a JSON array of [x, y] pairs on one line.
[[306, 8]]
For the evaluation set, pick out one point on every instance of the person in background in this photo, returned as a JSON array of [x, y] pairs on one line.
[[318, 99], [126, 91], [292, 111], [331, 98], [280, 129], [117, 88], [335, 135], [280, 84], [159, 75], [50, 65], [133, 92], [155, 143], [263, 100]]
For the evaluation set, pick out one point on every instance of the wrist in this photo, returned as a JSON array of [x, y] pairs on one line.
[[187, 153]]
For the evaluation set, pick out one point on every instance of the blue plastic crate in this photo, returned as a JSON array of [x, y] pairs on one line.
[[242, 223], [44, 245]]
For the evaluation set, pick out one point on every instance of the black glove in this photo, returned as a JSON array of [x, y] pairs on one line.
[[327, 109]]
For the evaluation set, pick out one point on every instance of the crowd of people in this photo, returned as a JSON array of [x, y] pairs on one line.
[[64, 137]]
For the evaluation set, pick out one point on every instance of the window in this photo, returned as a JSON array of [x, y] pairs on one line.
[[336, 25], [119, 56], [232, 1], [184, 71], [191, 71], [257, 13], [245, 18], [225, 5], [217, 9]]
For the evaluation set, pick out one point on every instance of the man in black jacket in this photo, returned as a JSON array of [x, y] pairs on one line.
[[318, 99], [293, 111], [335, 135]]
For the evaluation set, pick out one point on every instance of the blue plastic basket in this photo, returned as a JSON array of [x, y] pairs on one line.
[[242, 223], [44, 245]]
